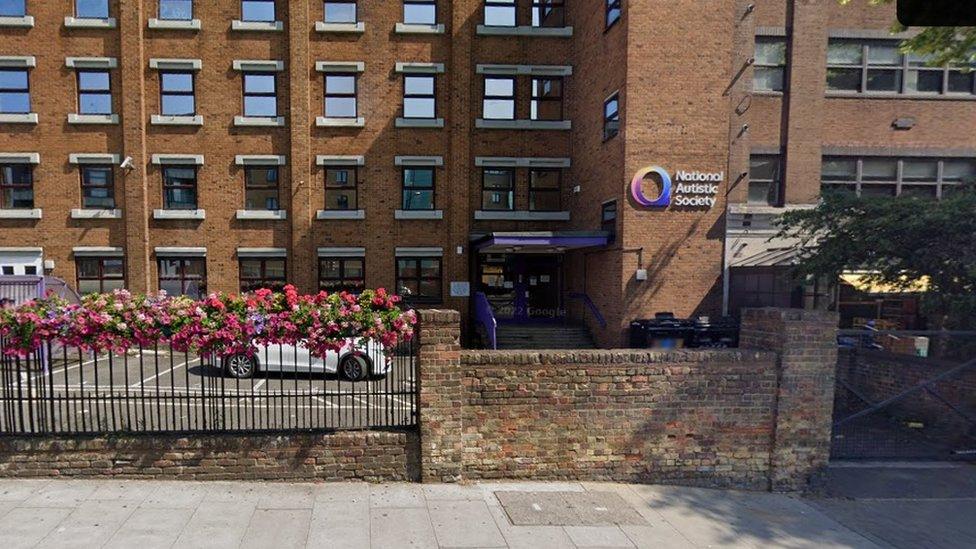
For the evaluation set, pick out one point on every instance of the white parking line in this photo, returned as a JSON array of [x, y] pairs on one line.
[[160, 374]]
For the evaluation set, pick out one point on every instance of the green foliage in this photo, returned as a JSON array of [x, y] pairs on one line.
[[899, 241], [941, 45]]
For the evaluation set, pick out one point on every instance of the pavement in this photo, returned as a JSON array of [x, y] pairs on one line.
[[907, 505]]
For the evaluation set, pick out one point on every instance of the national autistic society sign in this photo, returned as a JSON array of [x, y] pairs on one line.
[[687, 189]]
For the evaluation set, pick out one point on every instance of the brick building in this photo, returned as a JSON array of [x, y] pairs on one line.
[[451, 147]]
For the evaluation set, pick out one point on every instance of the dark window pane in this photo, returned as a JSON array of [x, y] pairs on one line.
[[878, 190], [418, 177], [250, 268], [924, 81], [843, 79], [340, 200], [884, 80], [921, 191], [879, 169], [418, 200], [960, 82], [838, 169]]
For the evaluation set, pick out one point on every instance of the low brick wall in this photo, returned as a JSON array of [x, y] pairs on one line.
[[755, 418], [699, 418], [357, 455]]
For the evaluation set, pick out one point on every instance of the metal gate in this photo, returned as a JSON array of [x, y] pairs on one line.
[[891, 403]]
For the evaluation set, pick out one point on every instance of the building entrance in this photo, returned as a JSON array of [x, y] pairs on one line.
[[523, 287]]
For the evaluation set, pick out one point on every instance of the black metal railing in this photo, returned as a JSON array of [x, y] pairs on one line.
[[159, 390]]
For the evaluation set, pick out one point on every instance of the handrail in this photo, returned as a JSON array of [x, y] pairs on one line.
[[591, 306], [484, 316]]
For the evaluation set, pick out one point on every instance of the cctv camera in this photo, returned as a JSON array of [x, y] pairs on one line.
[[127, 163]]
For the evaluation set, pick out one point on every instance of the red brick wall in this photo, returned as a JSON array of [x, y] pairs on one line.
[[369, 456]]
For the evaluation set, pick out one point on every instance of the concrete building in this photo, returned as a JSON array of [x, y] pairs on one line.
[[455, 148]]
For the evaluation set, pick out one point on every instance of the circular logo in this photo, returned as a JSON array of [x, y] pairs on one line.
[[637, 188]]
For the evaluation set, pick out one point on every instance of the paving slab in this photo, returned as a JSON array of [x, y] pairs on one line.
[[63, 493], [217, 525], [19, 490], [529, 537], [150, 529], [598, 536], [537, 508], [278, 528], [89, 525], [401, 527], [599, 508], [656, 536], [24, 527], [341, 522], [123, 490], [908, 523], [341, 491], [397, 495], [464, 524], [453, 492], [175, 495], [286, 496]]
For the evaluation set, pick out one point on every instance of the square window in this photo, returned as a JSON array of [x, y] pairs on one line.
[[16, 186], [260, 95], [91, 9], [547, 98], [500, 13], [498, 189], [499, 98], [419, 99], [94, 92], [340, 11], [180, 187], [418, 280], [176, 10], [13, 8], [340, 96], [418, 189], [100, 274], [258, 273], [342, 274], [341, 184], [258, 10], [420, 12], [261, 188], [97, 187], [14, 91], [177, 94], [548, 13], [183, 276], [545, 190]]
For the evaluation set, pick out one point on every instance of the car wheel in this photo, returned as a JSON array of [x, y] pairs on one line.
[[354, 368], [240, 366]]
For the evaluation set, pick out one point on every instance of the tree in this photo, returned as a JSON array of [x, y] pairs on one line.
[[898, 241], [939, 45]]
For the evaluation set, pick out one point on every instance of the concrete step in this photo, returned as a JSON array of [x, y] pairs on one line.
[[539, 337]]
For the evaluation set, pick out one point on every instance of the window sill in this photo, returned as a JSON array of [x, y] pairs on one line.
[[520, 215], [340, 214], [26, 21], [34, 213], [22, 118], [908, 96], [767, 93], [166, 24], [93, 118], [84, 213], [257, 26], [407, 28], [419, 122], [763, 209], [259, 121], [419, 214], [77, 23], [262, 215], [348, 28], [180, 214], [160, 120], [327, 122], [526, 30], [523, 124]]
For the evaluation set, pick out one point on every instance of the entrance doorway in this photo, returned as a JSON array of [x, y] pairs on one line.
[[523, 287]]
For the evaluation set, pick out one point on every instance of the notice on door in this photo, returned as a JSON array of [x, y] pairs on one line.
[[460, 289]]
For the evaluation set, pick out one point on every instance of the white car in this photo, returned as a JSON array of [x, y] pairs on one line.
[[354, 362]]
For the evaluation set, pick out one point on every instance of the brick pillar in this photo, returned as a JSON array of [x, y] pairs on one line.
[[439, 374], [302, 257], [134, 196], [806, 342]]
